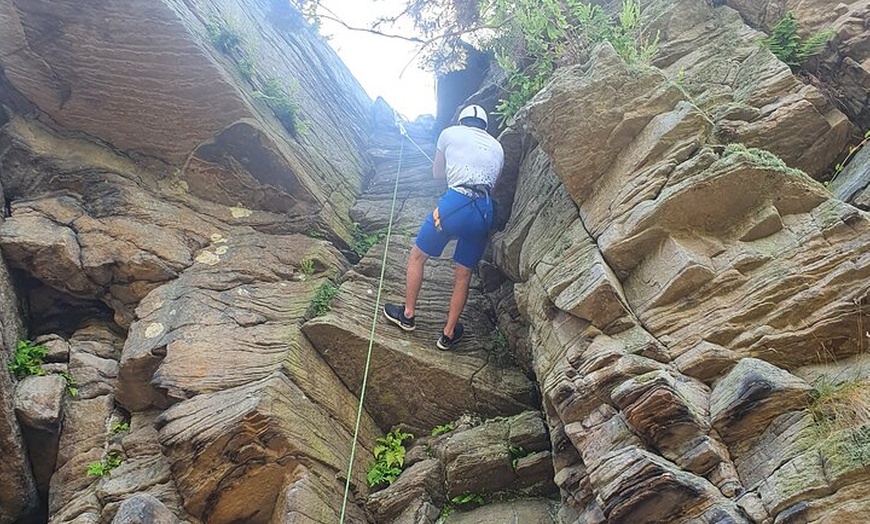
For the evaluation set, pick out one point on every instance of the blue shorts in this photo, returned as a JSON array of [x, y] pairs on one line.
[[464, 218]]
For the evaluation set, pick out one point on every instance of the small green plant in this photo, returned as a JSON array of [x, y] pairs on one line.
[[852, 152], [785, 43], [537, 35], [320, 305], [282, 100], [71, 387], [313, 233], [499, 340], [389, 454], [27, 359], [517, 452], [460, 500], [247, 66], [223, 34], [102, 468], [442, 429], [120, 426], [307, 267], [362, 242], [468, 498]]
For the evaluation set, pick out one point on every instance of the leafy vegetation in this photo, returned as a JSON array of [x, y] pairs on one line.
[[785, 43], [389, 454], [223, 34], [461, 500], [282, 100], [442, 429], [120, 426], [27, 359], [102, 468], [499, 340], [517, 452], [307, 267], [362, 242], [71, 386], [537, 35], [320, 305]]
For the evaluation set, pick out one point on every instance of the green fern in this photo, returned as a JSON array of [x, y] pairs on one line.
[[786, 45]]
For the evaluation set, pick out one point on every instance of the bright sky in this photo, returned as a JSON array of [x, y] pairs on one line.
[[376, 61]]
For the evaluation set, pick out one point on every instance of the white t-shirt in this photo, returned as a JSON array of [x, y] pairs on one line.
[[473, 156]]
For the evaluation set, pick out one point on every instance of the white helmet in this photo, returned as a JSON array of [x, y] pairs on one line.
[[474, 111]]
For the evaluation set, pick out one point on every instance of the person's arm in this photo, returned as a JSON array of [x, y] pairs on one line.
[[439, 167]]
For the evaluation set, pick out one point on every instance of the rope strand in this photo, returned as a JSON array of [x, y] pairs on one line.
[[372, 334]]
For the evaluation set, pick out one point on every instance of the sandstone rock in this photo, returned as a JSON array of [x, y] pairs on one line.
[[851, 184], [419, 484], [489, 459], [83, 440], [38, 402], [144, 509], [234, 137], [57, 348], [746, 400], [200, 332], [409, 375], [532, 511], [233, 452], [310, 497], [637, 486], [842, 64], [19, 496], [672, 415]]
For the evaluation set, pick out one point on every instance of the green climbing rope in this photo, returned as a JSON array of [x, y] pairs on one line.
[[372, 334]]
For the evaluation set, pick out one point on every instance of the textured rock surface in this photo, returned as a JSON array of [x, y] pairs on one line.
[[853, 182], [633, 226], [679, 299], [18, 496], [143, 87], [499, 459], [143, 509], [411, 381], [843, 65]]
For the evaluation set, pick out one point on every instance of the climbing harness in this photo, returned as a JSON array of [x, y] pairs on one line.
[[374, 322]]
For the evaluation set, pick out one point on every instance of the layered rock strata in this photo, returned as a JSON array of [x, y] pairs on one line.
[[671, 281]]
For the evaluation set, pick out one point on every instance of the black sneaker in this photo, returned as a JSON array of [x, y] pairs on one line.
[[446, 342], [396, 315]]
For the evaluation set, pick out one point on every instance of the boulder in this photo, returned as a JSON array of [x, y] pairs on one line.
[[851, 184], [144, 509], [38, 402], [530, 511], [234, 452], [752, 395]]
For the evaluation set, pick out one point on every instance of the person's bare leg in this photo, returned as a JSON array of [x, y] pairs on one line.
[[414, 279], [461, 281]]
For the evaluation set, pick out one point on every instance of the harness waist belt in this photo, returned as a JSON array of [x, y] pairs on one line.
[[473, 190]]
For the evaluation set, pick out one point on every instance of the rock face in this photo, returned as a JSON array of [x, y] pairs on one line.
[[670, 328], [171, 95], [661, 269], [843, 66]]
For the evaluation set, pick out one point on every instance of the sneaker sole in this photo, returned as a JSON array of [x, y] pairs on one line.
[[447, 348], [399, 323]]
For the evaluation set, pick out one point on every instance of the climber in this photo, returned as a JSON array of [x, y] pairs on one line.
[[471, 161]]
